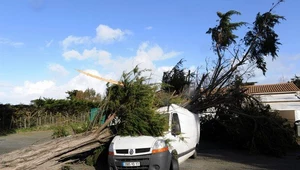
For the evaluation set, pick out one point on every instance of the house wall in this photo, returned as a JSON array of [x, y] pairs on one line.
[[285, 103], [288, 114], [297, 115], [277, 97]]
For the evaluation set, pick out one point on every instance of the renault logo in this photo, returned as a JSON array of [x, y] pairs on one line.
[[131, 151]]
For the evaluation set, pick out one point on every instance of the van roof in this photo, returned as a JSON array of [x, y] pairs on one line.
[[174, 108]]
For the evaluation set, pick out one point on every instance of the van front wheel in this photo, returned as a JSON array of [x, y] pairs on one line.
[[174, 164]]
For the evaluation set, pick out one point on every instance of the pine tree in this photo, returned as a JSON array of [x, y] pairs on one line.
[[133, 104]]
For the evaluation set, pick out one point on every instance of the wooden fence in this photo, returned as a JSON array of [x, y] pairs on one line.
[[48, 119]]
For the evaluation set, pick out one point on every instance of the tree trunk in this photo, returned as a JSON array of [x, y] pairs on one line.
[[25, 123]]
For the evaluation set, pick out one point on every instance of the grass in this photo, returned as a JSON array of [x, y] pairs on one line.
[[72, 128], [35, 128], [7, 132]]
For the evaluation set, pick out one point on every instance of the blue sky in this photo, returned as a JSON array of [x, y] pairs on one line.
[[42, 42]]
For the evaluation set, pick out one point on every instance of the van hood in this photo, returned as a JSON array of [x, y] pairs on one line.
[[122, 142]]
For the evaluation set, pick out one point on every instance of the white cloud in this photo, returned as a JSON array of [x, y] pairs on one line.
[[105, 34], [82, 82], [101, 56], [49, 89], [282, 67], [149, 28], [145, 57], [155, 52], [58, 69], [73, 40], [48, 44], [33, 88], [68, 55], [9, 42], [296, 57]]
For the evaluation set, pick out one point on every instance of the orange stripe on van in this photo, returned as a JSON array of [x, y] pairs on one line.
[[160, 150]]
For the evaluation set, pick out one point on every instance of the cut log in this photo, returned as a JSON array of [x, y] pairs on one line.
[[50, 155]]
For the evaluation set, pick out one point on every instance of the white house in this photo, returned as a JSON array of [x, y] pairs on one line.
[[283, 97]]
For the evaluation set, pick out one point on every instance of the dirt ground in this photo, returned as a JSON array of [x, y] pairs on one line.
[[210, 156], [215, 157], [21, 140]]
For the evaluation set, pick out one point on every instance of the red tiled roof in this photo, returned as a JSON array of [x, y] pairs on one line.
[[272, 88]]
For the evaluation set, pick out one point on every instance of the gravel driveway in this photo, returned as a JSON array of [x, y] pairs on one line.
[[210, 157], [21, 140]]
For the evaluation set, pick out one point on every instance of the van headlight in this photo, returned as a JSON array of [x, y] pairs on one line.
[[111, 149], [160, 146]]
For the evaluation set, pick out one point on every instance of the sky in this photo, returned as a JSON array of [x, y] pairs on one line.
[[43, 42]]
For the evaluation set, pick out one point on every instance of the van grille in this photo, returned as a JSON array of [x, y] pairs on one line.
[[133, 168], [122, 151], [139, 150]]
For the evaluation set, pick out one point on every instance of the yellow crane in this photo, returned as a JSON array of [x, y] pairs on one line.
[[101, 78]]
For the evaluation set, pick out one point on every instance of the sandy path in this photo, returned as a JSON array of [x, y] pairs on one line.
[[20, 140]]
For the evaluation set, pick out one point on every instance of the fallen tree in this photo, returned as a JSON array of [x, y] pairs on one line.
[[241, 119], [130, 110], [55, 153]]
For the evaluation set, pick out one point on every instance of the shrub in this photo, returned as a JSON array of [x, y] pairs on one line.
[[79, 127], [60, 131]]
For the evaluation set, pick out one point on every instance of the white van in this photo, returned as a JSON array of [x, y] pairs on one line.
[[158, 153]]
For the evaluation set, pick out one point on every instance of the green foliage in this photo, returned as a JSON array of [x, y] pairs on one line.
[[262, 39], [259, 42], [296, 81], [87, 95], [222, 34], [40, 110], [6, 112], [176, 79], [72, 94], [245, 122], [60, 131], [35, 128], [134, 105], [91, 160], [164, 99], [79, 127]]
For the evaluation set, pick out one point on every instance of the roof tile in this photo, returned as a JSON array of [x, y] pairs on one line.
[[272, 88]]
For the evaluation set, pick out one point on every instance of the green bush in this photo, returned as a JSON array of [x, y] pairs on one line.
[[256, 129], [91, 160], [79, 127], [60, 131]]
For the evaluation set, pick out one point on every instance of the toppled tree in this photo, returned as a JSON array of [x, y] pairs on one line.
[[133, 106], [246, 123], [236, 59], [221, 87]]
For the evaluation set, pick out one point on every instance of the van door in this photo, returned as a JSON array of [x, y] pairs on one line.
[[176, 137]]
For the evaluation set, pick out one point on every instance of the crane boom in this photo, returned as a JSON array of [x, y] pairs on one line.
[[101, 78]]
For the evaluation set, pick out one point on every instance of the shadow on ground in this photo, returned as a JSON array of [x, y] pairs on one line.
[[102, 161], [216, 151]]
